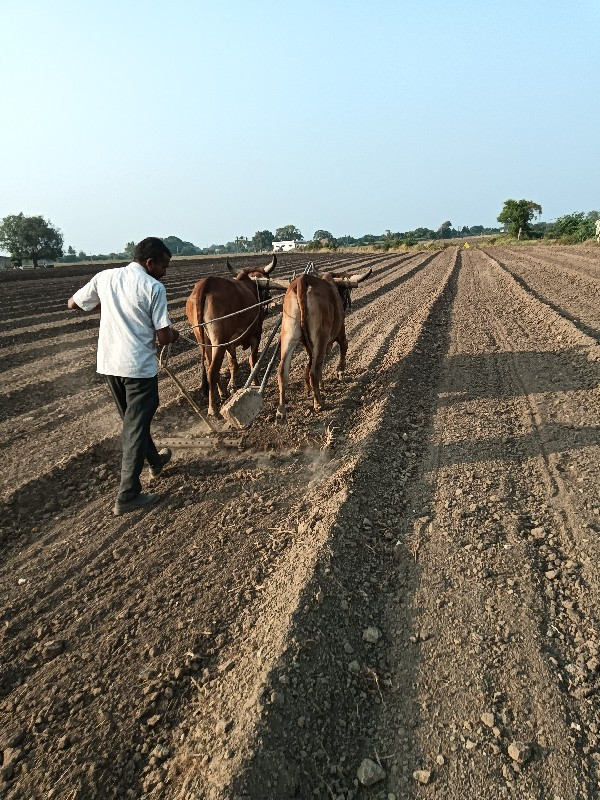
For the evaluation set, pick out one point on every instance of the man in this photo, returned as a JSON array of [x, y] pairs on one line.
[[133, 306]]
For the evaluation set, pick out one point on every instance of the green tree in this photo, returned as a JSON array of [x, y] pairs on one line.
[[321, 235], [421, 233], [517, 214], [262, 240], [12, 237], [288, 233], [180, 248], [242, 244], [70, 250], [445, 230], [30, 237], [574, 227], [129, 249]]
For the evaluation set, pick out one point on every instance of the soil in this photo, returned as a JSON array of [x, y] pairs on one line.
[[409, 576]]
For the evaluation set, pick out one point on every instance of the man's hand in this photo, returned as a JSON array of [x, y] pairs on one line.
[[167, 336]]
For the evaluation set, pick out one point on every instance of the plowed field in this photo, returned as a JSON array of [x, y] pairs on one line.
[[410, 576]]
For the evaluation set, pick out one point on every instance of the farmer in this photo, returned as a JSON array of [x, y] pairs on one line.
[[134, 312]]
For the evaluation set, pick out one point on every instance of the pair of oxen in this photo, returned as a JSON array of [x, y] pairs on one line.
[[227, 313]]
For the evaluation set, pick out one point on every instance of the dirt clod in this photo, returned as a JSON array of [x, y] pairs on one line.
[[369, 772], [422, 776], [519, 752]]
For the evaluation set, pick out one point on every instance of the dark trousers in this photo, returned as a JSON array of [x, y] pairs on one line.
[[137, 401]]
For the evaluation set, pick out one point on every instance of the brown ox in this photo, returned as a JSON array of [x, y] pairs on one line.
[[215, 297], [313, 313]]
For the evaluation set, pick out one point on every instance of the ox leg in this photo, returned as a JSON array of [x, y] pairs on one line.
[[203, 378], [204, 362], [233, 369], [213, 380], [343, 343], [288, 345], [254, 357], [307, 374], [316, 373]]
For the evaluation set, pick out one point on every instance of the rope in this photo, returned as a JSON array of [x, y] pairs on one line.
[[225, 344], [233, 314], [162, 361]]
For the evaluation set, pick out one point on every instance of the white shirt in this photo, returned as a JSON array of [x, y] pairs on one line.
[[134, 306]]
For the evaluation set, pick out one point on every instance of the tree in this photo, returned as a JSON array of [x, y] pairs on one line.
[[574, 227], [70, 250], [517, 214], [320, 236], [262, 240], [30, 237], [288, 233], [180, 248], [421, 233], [129, 249], [242, 244], [445, 230]]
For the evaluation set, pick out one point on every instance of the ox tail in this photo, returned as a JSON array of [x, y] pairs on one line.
[[301, 290], [194, 308]]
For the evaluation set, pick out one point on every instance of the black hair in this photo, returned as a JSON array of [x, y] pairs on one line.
[[150, 247]]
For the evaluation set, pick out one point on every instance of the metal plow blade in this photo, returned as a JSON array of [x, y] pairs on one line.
[[202, 442], [199, 440], [241, 410], [246, 404]]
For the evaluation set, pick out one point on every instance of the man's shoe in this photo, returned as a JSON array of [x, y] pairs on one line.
[[164, 456], [142, 501]]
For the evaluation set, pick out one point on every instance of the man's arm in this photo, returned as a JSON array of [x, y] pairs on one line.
[[72, 306], [166, 336], [86, 298]]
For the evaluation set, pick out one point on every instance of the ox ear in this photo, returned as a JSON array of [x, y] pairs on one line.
[[270, 267], [230, 268]]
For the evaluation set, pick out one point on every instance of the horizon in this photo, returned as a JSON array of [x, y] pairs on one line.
[[216, 122]]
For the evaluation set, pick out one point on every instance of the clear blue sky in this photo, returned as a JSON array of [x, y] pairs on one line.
[[207, 120]]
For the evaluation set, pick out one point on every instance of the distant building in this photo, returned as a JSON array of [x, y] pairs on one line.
[[281, 247], [5, 262]]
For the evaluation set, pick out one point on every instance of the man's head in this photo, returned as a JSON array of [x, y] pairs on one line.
[[154, 255]]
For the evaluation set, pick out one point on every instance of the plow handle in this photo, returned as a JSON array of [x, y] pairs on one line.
[[262, 355], [268, 370]]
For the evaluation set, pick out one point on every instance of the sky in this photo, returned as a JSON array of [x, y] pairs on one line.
[[209, 120]]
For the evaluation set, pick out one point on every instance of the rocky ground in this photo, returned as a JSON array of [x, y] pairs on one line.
[[395, 598]]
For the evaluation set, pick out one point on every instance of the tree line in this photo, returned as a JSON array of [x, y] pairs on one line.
[[35, 239], [518, 215]]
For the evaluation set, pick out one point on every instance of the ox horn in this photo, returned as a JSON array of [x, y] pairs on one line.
[[271, 266], [363, 277], [230, 268], [354, 280], [272, 283]]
